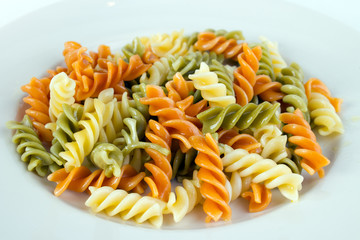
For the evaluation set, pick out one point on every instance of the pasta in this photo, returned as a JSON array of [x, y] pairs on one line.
[[225, 117], [30, 148], [211, 90], [313, 161], [250, 115]]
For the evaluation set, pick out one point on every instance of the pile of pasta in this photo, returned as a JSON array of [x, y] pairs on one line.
[[173, 121]]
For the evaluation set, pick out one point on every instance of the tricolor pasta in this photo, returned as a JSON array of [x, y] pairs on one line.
[[174, 121]]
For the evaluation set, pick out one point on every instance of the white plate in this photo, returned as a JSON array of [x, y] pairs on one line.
[[328, 208]]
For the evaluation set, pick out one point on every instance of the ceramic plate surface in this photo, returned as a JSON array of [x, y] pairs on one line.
[[326, 49]]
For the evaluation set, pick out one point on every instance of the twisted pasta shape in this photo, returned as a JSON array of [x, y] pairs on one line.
[[250, 115], [161, 170], [62, 91], [245, 74], [237, 140], [31, 149], [265, 62], [292, 80], [315, 85], [183, 163], [208, 41], [138, 92], [312, 159], [65, 127], [277, 61], [272, 141], [225, 76], [80, 178], [38, 99], [164, 44], [211, 90], [323, 107], [158, 73], [95, 112], [190, 62], [259, 198], [185, 198], [96, 72], [107, 157], [127, 206], [264, 170], [136, 47], [213, 179], [324, 115]]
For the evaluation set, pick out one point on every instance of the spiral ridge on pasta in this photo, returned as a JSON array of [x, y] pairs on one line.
[[108, 157], [211, 90], [250, 115], [213, 179], [259, 198], [95, 72], [126, 205], [265, 63], [225, 76], [31, 149], [183, 164], [292, 80], [80, 178], [66, 125], [323, 107], [324, 115], [264, 171], [85, 139], [190, 62], [245, 74], [161, 170], [313, 160], [164, 44], [315, 85], [38, 99], [136, 47], [208, 41], [237, 140], [62, 91], [158, 73], [184, 199], [277, 60]]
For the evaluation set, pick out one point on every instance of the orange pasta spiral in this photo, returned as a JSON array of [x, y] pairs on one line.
[[80, 178], [208, 41], [315, 85], [237, 140], [245, 75], [212, 177], [161, 170], [259, 198], [38, 99], [307, 147], [267, 89], [95, 72], [178, 91]]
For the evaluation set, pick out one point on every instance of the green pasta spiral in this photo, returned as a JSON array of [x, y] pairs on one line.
[[292, 81], [190, 62], [67, 125], [107, 157], [129, 142], [136, 47], [224, 74], [265, 64], [183, 164], [31, 149], [234, 115]]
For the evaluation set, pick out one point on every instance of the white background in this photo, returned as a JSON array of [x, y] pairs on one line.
[[345, 11]]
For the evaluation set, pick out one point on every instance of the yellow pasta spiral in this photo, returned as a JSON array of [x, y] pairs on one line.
[[211, 90], [264, 170], [126, 205]]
